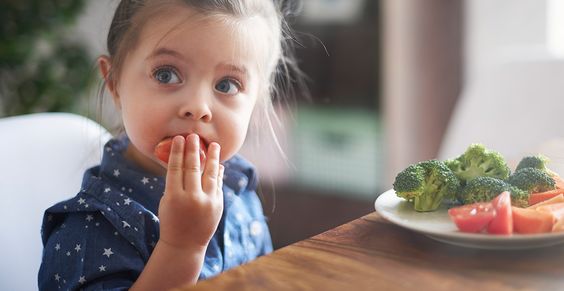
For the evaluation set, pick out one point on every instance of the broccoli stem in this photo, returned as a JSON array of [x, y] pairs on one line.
[[424, 203]]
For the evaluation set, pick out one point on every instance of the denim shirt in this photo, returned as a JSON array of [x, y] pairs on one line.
[[102, 238]]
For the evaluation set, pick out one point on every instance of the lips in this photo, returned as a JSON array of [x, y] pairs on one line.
[[162, 150]]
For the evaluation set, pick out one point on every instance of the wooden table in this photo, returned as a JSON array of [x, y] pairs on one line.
[[370, 253]]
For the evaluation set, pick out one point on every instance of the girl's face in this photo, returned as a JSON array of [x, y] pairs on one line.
[[189, 75]]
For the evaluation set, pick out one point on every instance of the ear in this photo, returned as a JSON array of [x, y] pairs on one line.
[[105, 66]]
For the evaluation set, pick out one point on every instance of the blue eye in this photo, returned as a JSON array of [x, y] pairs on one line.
[[166, 75], [228, 86]]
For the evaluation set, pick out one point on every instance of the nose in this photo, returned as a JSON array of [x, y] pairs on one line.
[[196, 107]]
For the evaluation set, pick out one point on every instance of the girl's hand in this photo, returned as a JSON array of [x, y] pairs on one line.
[[192, 205]]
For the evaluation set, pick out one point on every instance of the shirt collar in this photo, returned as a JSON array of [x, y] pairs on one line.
[[132, 180]]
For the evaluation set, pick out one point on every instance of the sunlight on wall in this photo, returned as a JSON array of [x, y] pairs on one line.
[[555, 27]]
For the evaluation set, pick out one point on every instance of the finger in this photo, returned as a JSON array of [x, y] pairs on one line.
[[220, 180], [192, 173], [174, 167], [211, 172]]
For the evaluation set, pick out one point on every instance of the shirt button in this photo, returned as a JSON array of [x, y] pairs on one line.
[[256, 228]]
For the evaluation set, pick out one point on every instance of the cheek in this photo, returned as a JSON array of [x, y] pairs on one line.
[[233, 133], [143, 126]]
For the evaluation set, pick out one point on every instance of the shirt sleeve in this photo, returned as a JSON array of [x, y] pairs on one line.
[[85, 251]]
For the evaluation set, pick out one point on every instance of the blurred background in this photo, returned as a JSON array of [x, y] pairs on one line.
[[393, 82]]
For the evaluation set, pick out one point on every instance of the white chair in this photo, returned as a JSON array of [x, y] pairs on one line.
[[42, 160], [513, 108]]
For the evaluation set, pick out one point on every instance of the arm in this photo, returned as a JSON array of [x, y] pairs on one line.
[[189, 214]]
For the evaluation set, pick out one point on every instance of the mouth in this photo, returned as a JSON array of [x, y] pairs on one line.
[[162, 149]]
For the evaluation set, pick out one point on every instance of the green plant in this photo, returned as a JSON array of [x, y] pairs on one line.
[[41, 69]]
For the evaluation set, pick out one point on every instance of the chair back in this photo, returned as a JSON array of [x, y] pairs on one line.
[[42, 159]]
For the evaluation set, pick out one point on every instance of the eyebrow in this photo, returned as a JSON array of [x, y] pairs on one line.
[[165, 51], [234, 68], [170, 52]]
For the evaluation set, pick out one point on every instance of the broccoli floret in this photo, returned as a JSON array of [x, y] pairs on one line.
[[532, 180], [477, 161], [538, 162], [426, 184], [483, 189]]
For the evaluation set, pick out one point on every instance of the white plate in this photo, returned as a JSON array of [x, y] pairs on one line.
[[437, 225]]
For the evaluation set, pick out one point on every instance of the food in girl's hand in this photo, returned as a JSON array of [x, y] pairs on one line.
[[426, 184], [162, 150]]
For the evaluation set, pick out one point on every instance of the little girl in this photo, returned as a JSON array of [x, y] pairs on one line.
[[188, 73]]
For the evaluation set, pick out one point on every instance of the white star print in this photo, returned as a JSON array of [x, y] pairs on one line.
[[256, 228], [227, 239], [57, 277], [68, 254], [125, 224], [116, 172], [107, 190], [82, 280], [145, 180], [107, 252], [77, 248], [127, 201], [58, 247], [81, 201], [102, 268], [89, 217], [242, 183]]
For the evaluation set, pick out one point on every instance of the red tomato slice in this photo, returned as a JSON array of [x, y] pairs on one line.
[[472, 217], [162, 150], [503, 221]]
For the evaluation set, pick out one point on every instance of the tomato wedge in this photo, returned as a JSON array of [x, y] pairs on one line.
[[527, 220], [502, 223], [162, 150], [472, 217]]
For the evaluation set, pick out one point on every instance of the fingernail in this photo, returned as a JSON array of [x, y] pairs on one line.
[[178, 139], [194, 138]]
